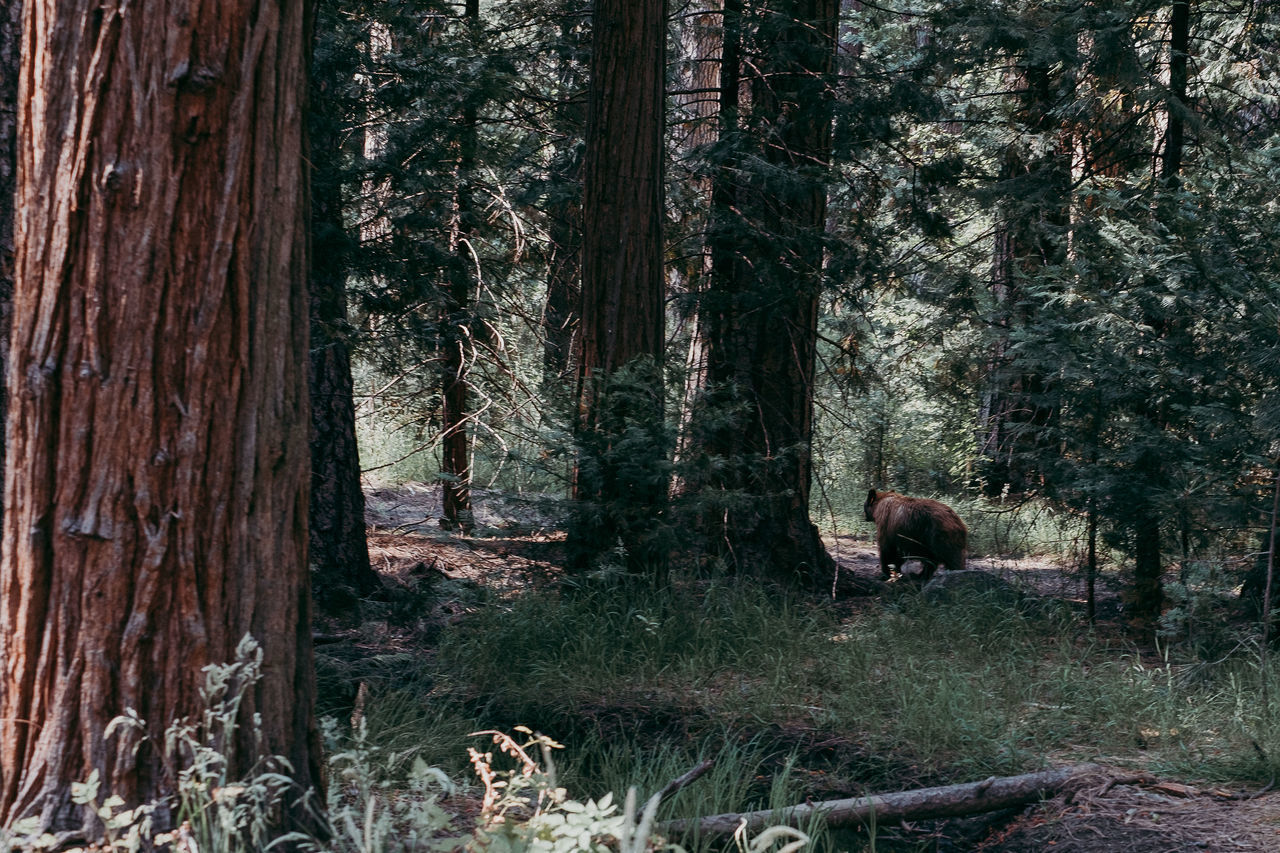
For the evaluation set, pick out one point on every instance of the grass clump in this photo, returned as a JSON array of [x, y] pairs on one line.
[[799, 698], [912, 692]]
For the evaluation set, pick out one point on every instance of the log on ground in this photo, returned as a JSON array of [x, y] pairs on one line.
[[996, 792]]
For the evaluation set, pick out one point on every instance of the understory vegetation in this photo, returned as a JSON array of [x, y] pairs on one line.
[[795, 698]]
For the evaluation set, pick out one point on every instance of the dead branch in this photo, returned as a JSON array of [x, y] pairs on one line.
[[680, 782], [997, 792]]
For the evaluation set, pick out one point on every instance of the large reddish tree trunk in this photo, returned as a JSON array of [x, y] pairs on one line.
[[760, 310], [622, 287], [10, 28], [159, 407]]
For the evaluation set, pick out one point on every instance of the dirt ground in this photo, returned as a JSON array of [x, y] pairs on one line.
[[518, 542]]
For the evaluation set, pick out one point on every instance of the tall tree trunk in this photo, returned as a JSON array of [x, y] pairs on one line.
[[1175, 124], [1151, 470], [456, 336], [1030, 237], [564, 212], [159, 399], [339, 547], [760, 311], [10, 31], [621, 487], [701, 43]]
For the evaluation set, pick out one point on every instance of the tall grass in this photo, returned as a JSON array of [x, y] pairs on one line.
[[793, 695], [972, 687]]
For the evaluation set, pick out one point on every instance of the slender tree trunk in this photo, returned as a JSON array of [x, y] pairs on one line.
[[1028, 240], [621, 488], [1264, 649], [1091, 563], [456, 337], [159, 397], [1175, 125], [1146, 521], [339, 548], [760, 311]]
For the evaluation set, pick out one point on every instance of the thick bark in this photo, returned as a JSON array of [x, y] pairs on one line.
[[760, 310], [921, 804], [702, 45], [10, 30], [339, 548], [456, 337], [622, 489], [159, 397], [622, 305]]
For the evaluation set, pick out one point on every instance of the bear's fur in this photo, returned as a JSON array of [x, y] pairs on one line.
[[918, 528]]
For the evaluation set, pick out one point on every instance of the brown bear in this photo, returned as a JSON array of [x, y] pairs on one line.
[[918, 528]]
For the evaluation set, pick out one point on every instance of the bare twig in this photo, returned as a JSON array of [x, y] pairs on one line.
[[685, 780]]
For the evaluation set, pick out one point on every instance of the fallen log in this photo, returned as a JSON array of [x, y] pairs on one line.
[[996, 792]]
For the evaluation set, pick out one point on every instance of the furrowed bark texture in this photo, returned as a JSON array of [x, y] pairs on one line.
[[622, 252], [10, 29], [159, 396], [622, 288], [339, 547], [760, 309]]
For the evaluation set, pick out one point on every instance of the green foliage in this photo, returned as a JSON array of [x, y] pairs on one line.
[[998, 241], [650, 683], [623, 474], [210, 810]]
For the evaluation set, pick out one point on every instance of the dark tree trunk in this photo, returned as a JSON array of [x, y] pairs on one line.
[[1145, 519], [1030, 237], [339, 548], [564, 264], [760, 311], [1175, 129], [1148, 588], [564, 212], [456, 336], [159, 402], [621, 488], [10, 32]]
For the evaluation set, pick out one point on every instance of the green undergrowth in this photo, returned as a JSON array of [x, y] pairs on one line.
[[796, 697]]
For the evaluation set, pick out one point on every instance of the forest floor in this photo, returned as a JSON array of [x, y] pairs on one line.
[[518, 544]]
